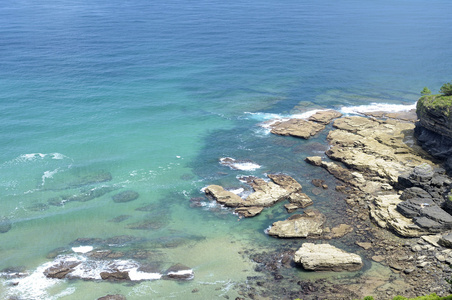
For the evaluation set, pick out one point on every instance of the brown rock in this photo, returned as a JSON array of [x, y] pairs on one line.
[[115, 275], [364, 245], [222, 196], [309, 224]]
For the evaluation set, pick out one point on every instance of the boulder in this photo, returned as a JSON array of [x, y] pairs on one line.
[[325, 117], [297, 128], [222, 196], [309, 224], [325, 257]]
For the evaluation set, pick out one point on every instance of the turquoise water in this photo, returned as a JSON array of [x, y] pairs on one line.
[[110, 96]]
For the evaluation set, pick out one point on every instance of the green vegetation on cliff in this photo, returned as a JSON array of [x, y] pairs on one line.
[[439, 103]]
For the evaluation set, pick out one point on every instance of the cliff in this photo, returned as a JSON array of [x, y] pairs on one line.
[[434, 129]]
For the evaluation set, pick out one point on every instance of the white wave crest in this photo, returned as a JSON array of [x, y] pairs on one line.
[[82, 249], [373, 107], [243, 165]]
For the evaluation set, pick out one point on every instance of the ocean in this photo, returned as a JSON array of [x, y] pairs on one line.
[[104, 97]]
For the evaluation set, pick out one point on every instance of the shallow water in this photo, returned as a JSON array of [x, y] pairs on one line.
[[102, 97]]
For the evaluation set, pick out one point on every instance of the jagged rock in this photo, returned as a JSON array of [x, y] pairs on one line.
[[115, 275], [325, 117], [309, 224], [224, 197], [337, 171], [179, 272], [373, 147], [125, 196], [325, 257], [415, 192], [413, 207], [61, 270], [249, 211], [267, 193], [383, 211], [446, 240], [297, 128]]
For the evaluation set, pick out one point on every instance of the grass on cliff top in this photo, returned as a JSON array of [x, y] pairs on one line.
[[439, 103]]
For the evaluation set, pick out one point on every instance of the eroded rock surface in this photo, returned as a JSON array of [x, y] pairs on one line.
[[325, 257]]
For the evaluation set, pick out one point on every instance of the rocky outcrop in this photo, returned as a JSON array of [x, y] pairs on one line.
[[434, 129], [266, 193], [376, 148], [325, 257], [309, 224], [297, 128]]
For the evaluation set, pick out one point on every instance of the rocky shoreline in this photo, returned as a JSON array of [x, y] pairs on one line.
[[397, 214]]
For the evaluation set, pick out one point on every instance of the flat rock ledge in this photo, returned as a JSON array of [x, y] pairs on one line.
[[297, 128], [325, 116], [325, 257], [266, 193]]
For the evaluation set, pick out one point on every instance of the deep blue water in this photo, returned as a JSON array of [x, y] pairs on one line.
[[154, 93]]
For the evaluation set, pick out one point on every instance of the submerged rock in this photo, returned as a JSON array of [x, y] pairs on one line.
[[125, 196], [325, 257], [113, 297], [5, 225], [179, 272], [297, 128], [62, 269]]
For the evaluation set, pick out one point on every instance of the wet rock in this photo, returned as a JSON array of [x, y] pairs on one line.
[[249, 211], [325, 257], [339, 231], [309, 224], [378, 258], [5, 225], [61, 270], [364, 245], [125, 196], [297, 128], [318, 182], [222, 196], [325, 117], [179, 272], [115, 276], [113, 297]]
